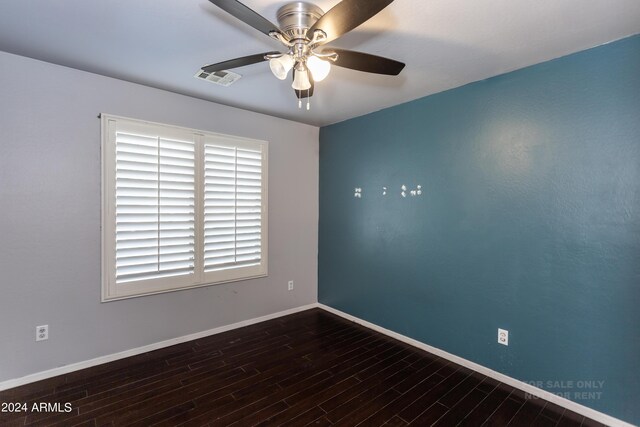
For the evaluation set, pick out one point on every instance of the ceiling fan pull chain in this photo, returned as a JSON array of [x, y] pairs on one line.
[[299, 103]]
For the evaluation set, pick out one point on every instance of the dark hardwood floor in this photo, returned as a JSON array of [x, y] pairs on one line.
[[310, 368]]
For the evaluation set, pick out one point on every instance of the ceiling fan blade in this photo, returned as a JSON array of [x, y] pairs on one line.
[[347, 15], [246, 15], [238, 62], [367, 63]]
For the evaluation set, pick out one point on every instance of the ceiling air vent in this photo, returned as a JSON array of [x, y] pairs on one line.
[[222, 78]]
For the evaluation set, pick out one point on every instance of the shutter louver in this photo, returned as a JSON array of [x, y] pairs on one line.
[[155, 205], [232, 207]]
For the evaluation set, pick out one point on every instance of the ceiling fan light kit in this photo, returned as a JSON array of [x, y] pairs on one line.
[[304, 28], [301, 79], [281, 65], [319, 68]]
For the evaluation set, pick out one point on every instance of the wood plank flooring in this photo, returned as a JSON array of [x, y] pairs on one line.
[[310, 368]]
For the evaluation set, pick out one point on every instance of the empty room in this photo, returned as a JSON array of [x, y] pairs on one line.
[[331, 212]]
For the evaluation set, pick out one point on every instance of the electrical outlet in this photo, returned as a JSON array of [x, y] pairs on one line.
[[42, 332], [290, 285], [503, 336]]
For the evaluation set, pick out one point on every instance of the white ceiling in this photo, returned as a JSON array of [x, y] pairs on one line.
[[445, 44]]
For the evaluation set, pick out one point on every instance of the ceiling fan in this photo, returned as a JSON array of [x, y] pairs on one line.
[[303, 29]]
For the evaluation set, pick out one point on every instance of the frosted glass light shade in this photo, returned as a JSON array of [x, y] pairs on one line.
[[280, 66], [319, 68], [301, 80]]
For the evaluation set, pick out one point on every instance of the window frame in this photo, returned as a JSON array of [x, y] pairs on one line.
[[111, 290]]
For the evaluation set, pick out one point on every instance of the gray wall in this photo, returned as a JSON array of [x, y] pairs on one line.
[[50, 218]]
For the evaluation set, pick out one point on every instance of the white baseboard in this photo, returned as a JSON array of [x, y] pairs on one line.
[[4, 385], [527, 388]]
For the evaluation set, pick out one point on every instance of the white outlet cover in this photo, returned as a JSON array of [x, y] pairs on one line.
[[503, 336], [42, 332], [290, 285]]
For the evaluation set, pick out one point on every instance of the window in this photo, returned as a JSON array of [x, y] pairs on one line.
[[181, 208]]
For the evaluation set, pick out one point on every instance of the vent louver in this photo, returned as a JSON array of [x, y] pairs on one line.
[[222, 78]]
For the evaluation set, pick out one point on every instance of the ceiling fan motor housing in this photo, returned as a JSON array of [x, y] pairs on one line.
[[297, 17]]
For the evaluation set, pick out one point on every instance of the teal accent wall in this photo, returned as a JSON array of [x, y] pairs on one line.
[[529, 221]]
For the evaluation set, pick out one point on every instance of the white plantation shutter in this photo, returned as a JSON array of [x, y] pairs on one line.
[[155, 207], [232, 207], [181, 208]]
